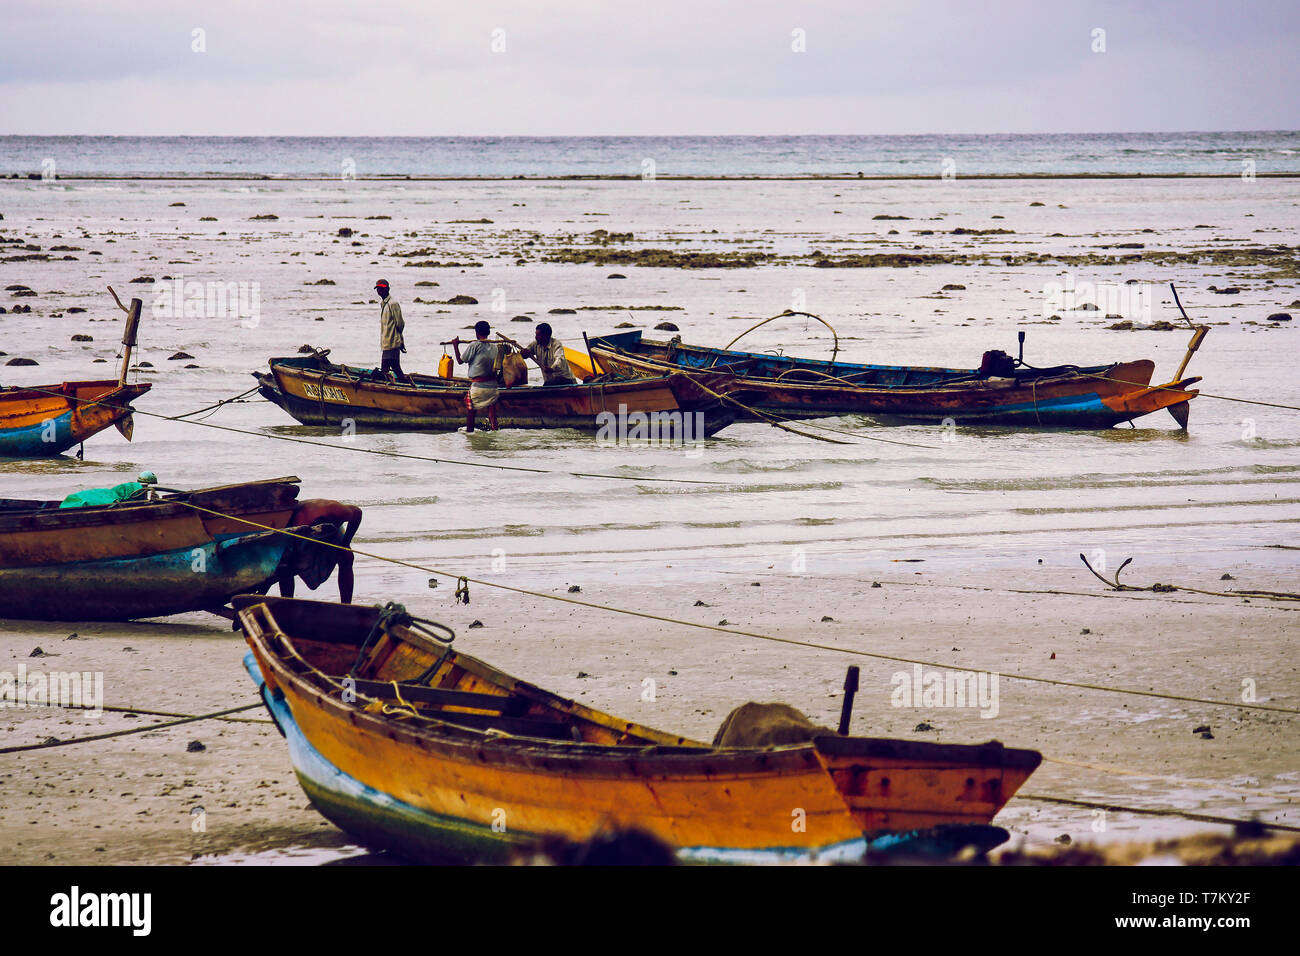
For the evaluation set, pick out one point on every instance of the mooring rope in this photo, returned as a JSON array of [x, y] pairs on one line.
[[111, 709], [237, 399], [1199, 393], [736, 632], [1156, 812], [54, 742]]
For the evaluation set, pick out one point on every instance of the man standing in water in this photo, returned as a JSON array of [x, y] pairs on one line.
[[391, 342], [481, 357], [549, 355]]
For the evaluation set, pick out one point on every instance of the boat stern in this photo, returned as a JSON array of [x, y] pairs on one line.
[[903, 785]]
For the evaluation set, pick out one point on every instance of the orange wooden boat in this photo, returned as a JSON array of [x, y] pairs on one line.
[[44, 420], [410, 745]]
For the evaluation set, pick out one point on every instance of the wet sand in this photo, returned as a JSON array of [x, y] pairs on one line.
[[131, 799], [978, 521]]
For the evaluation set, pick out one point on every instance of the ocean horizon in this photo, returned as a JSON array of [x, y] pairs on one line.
[[1245, 153]]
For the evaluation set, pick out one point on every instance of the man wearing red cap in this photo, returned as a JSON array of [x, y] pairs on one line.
[[391, 343]]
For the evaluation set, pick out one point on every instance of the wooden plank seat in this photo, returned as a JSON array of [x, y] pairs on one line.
[[504, 708], [507, 704]]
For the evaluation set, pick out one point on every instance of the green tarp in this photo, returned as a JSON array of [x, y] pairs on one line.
[[102, 496]]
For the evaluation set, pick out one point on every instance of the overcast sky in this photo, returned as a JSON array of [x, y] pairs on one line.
[[651, 67]]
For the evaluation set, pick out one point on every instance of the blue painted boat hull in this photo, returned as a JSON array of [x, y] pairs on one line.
[[195, 578], [38, 441]]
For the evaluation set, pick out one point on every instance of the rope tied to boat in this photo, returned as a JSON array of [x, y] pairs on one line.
[[240, 399], [834, 351], [393, 615], [402, 708], [757, 635]]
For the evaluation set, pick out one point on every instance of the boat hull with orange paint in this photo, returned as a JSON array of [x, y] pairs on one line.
[[46, 420], [437, 755], [143, 558], [317, 392]]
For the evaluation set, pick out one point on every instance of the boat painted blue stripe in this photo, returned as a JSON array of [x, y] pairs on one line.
[[308, 762], [29, 440]]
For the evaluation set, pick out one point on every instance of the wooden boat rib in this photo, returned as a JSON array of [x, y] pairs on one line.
[[419, 748], [143, 558], [1062, 397], [318, 392], [47, 420]]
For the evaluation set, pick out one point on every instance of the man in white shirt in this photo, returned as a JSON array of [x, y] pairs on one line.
[[391, 342], [548, 353]]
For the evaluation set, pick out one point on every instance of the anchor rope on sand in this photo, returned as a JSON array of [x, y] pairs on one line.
[[54, 742], [1157, 812], [794, 642], [1158, 588]]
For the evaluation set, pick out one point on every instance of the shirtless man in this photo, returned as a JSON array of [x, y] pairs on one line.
[[317, 560]]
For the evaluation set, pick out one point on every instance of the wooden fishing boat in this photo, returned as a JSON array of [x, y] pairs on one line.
[[40, 421], [45, 420], [413, 746], [315, 391], [1065, 396], [142, 558]]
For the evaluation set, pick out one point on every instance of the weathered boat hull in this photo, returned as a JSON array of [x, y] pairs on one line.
[[48, 420], [436, 789], [141, 559], [204, 576], [1067, 397], [414, 833], [320, 393]]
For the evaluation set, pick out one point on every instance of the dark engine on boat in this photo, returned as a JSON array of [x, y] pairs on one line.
[[997, 364]]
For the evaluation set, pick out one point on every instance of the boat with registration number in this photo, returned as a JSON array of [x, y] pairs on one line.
[[316, 391]]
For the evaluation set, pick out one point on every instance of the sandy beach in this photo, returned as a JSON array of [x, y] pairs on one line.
[[973, 535]]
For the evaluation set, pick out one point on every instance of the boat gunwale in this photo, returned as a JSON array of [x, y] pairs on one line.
[[994, 384], [54, 518], [435, 385]]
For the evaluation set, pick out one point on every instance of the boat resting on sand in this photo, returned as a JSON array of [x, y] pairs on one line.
[[315, 391], [415, 747], [1010, 393], [142, 558]]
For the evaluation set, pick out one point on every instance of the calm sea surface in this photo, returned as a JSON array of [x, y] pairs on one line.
[[1226, 153]]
